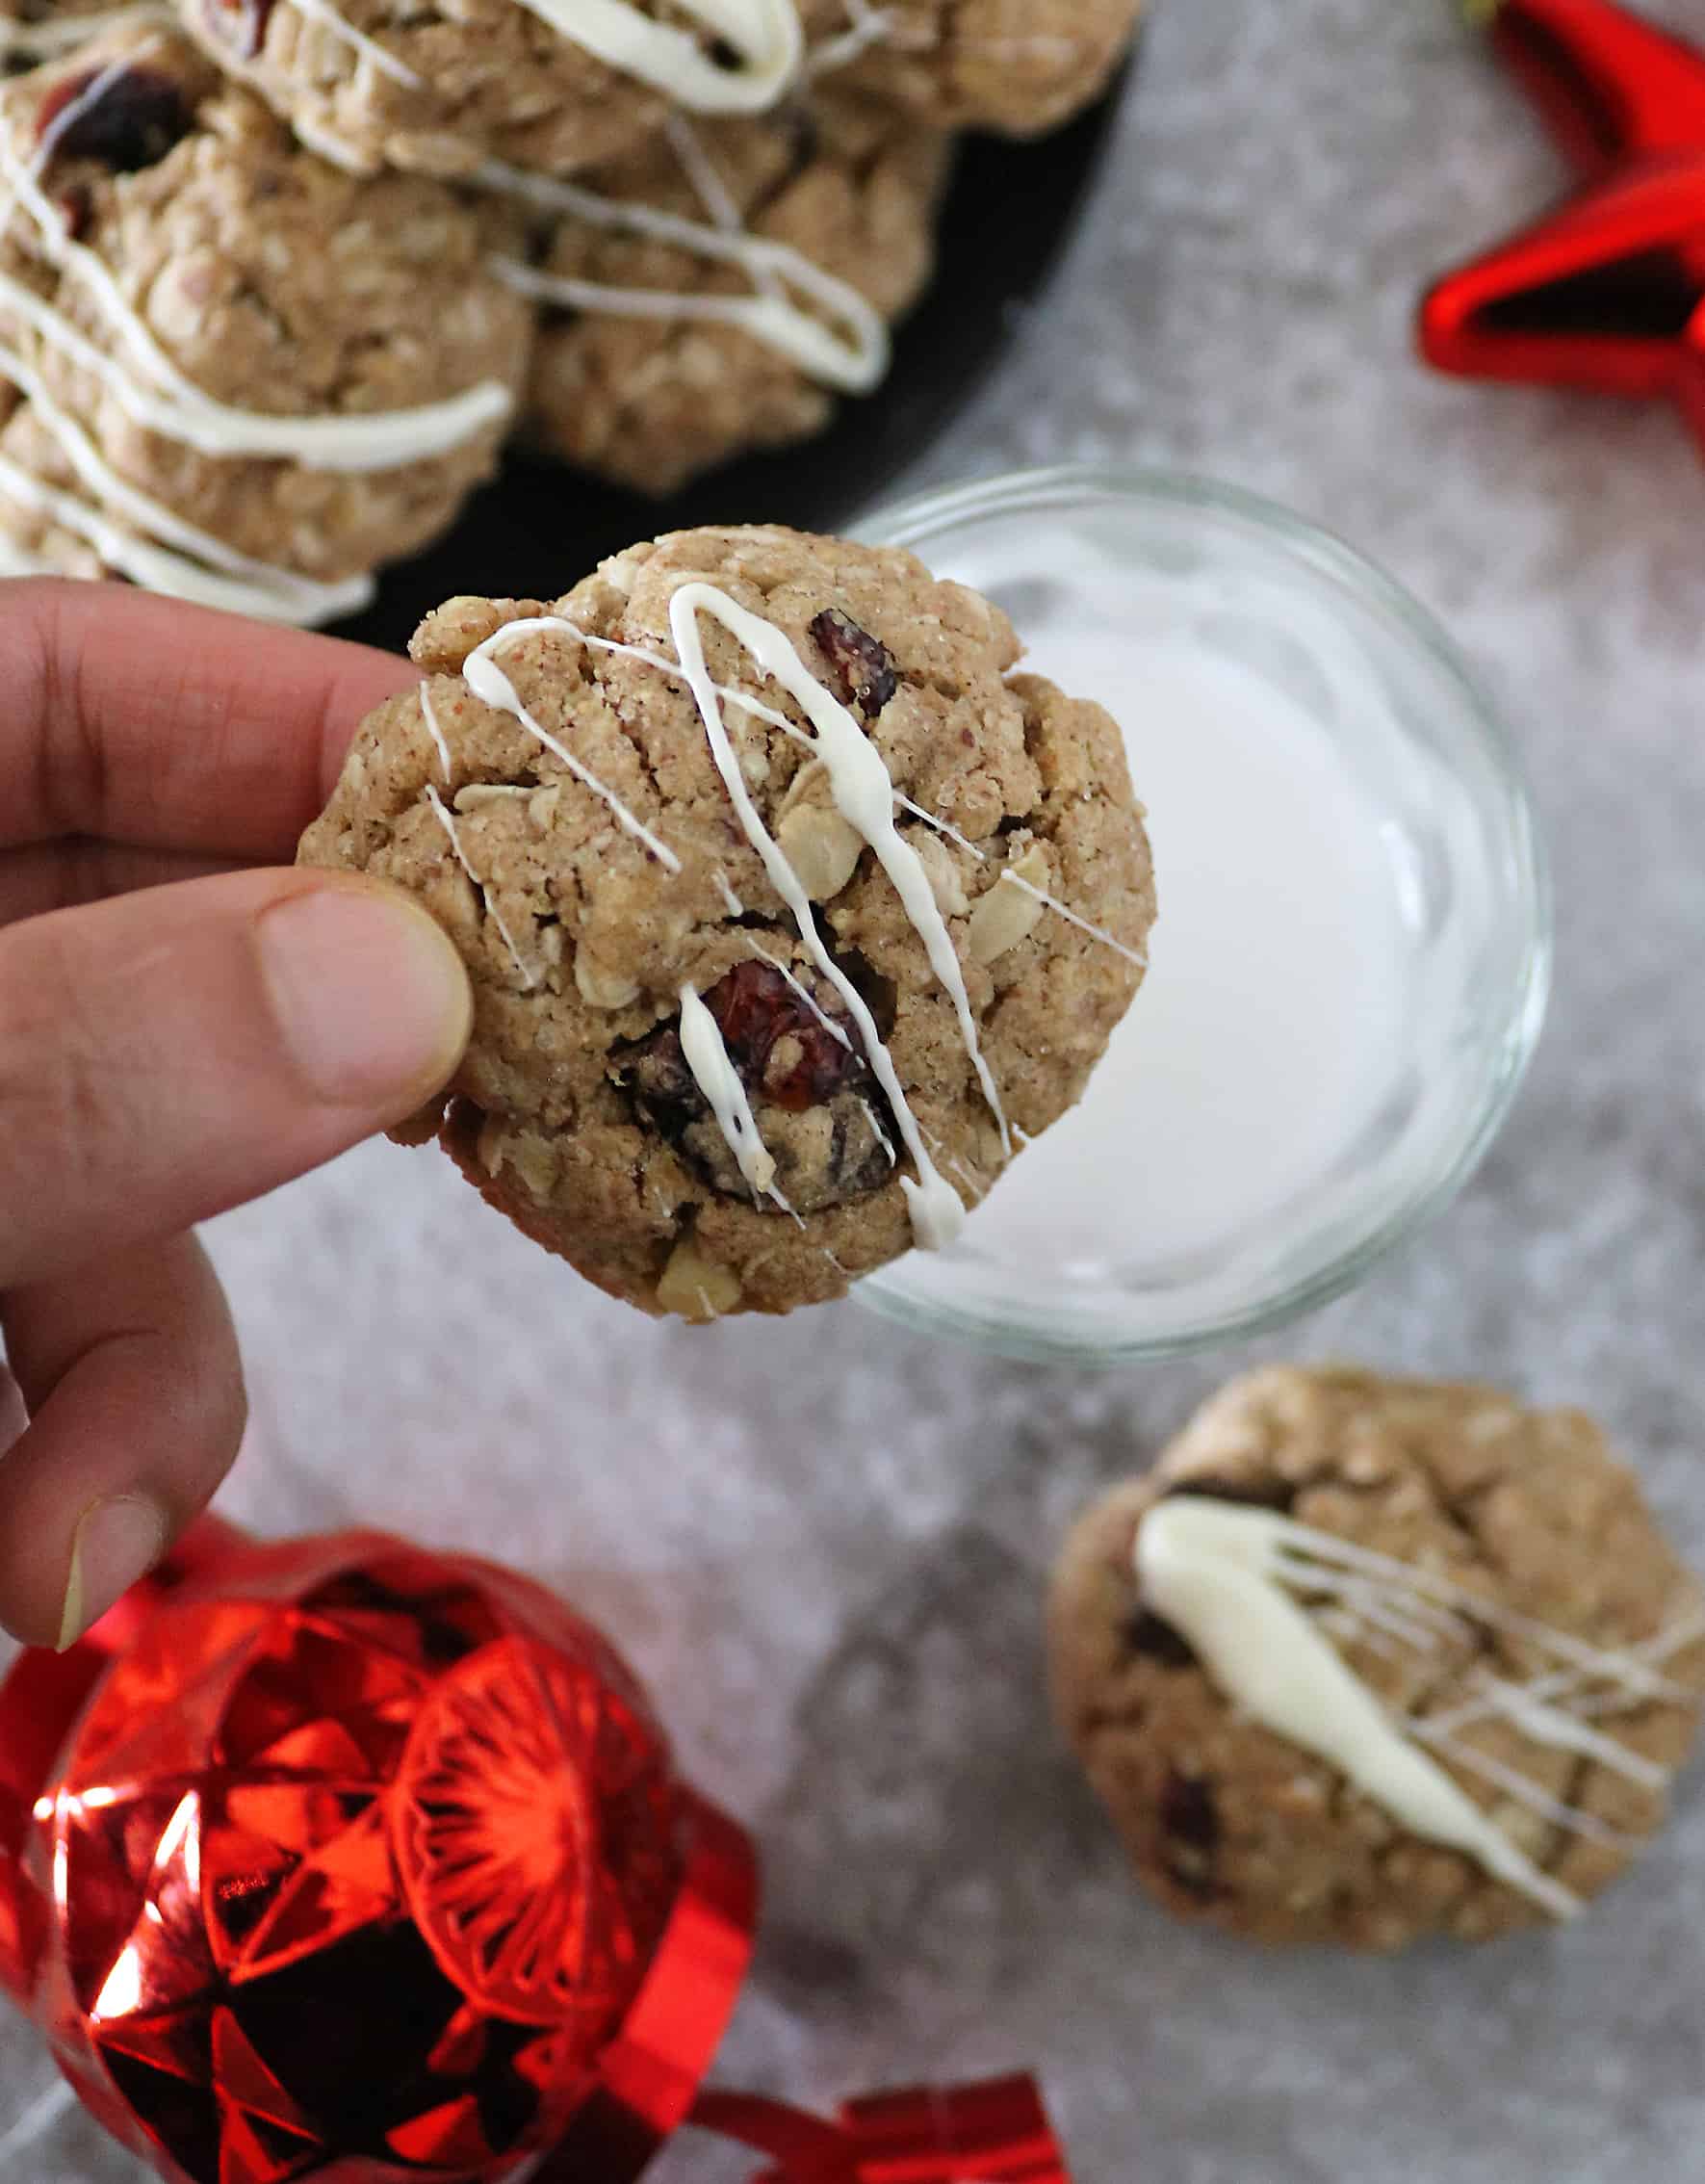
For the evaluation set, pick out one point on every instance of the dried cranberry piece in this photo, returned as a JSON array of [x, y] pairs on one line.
[[755, 1009], [76, 207], [785, 1056], [1155, 1640], [861, 664], [1189, 1821], [133, 125]]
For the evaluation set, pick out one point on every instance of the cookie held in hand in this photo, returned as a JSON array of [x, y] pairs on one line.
[[1365, 1660], [791, 911]]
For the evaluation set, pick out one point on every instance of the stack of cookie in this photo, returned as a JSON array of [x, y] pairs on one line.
[[278, 278]]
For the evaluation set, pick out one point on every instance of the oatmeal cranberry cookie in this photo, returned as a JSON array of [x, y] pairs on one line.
[[442, 86], [1020, 66], [744, 334], [230, 370], [746, 1022], [1366, 1659]]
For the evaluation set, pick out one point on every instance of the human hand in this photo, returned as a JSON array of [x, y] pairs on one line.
[[179, 1032]]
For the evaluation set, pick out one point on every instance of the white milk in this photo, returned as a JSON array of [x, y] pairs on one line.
[[1261, 1041], [1348, 969]]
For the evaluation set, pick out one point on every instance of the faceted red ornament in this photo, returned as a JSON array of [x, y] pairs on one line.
[[362, 1864], [1606, 291], [343, 1863]]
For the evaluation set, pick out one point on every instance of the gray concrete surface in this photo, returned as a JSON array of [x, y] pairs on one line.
[[822, 1541]]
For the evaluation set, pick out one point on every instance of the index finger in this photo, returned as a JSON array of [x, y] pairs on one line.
[[142, 721]]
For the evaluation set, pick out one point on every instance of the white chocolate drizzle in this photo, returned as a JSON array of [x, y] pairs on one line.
[[1579, 1707], [979, 1191], [206, 569], [341, 27], [429, 714], [1629, 1672], [1137, 956], [1219, 1574], [843, 344], [714, 1072], [1007, 877], [492, 686], [860, 785], [882, 1139], [937, 1213], [173, 405], [805, 994], [865, 27], [702, 174], [441, 811], [764, 34], [664, 666], [168, 554], [324, 144]]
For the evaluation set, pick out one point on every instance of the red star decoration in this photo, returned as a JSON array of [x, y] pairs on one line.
[[1607, 292]]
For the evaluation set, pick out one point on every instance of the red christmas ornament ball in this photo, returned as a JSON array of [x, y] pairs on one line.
[[354, 1867]]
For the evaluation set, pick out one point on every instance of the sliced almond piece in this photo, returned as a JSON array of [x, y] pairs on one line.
[[945, 881], [821, 846], [1006, 914], [481, 795], [600, 988], [696, 1287]]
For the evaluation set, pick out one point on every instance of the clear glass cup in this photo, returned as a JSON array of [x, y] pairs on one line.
[[1451, 828]]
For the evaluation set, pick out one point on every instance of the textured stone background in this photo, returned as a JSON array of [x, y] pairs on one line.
[[823, 1542]]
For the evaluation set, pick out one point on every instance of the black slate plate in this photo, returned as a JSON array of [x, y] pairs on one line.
[[538, 529]]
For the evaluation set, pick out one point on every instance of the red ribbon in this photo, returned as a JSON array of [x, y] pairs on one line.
[[995, 2132], [651, 2073]]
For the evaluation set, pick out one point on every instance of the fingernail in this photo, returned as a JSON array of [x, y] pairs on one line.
[[115, 1542], [370, 995]]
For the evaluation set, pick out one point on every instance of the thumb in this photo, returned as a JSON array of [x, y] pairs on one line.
[[168, 1053]]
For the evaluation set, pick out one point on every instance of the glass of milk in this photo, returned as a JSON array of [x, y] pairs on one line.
[[1350, 966]]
